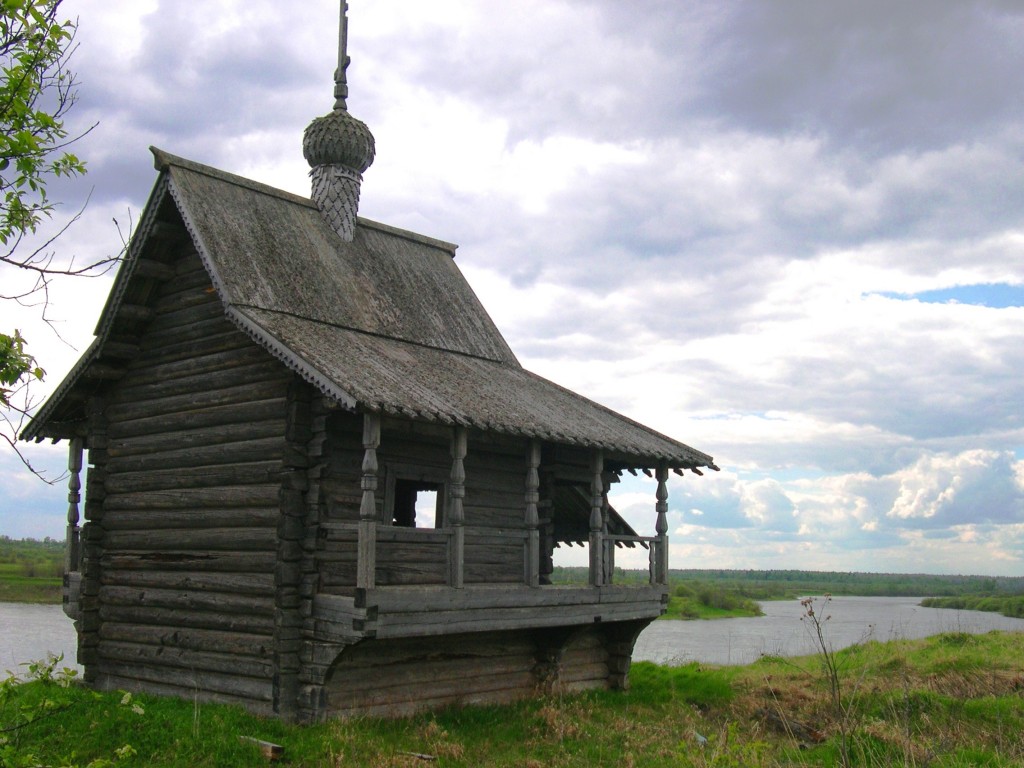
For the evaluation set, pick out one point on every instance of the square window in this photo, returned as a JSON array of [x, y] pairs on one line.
[[417, 503]]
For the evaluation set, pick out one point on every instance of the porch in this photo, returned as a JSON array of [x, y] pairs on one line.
[[419, 611]]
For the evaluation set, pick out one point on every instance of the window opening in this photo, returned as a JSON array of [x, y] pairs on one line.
[[416, 503]]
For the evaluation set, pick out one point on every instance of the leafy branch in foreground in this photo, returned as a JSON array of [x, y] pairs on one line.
[[37, 90]]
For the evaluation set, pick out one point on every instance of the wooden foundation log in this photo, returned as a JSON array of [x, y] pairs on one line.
[[186, 683]]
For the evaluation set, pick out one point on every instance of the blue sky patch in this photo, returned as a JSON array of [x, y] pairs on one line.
[[994, 295]]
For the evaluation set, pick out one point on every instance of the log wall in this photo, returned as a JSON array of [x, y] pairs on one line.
[[203, 470]]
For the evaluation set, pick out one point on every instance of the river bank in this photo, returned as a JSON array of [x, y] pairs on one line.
[[953, 700]]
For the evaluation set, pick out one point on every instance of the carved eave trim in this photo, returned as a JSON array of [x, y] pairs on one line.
[[290, 358], [132, 258], [115, 308]]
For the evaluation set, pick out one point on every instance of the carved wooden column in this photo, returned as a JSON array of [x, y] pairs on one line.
[[456, 515], [532, 556], [73, 562], [367, 564], [661, 526], [608, 553], [597, 518]]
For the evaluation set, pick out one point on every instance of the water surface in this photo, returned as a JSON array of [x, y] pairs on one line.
[[780, 632]]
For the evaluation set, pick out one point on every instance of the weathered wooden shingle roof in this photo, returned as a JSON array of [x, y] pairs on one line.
[[385, 323]]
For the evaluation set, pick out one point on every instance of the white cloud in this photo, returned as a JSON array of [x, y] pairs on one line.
[[698, 242]]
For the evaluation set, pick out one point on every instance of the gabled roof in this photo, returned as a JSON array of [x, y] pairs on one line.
[[385, 323]]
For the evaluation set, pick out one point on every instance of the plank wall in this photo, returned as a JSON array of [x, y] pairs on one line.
[[195, 433], [393, 678], [494, 505]]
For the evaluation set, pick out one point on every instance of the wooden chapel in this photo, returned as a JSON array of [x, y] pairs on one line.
[[274, 388]]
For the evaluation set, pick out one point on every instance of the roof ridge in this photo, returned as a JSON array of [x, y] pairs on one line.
[[162, 160], [376, 335]]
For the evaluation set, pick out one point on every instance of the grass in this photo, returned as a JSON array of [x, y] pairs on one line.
[[17, 588], [952, 700], [708, 601], [31, 571]]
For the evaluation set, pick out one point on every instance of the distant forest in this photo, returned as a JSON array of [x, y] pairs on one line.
[[792, 583]]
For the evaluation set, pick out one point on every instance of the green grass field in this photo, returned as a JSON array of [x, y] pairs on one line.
[[952, 700]]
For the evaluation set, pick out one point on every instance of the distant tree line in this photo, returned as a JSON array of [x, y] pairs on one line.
[[792, 583], [31, 558]]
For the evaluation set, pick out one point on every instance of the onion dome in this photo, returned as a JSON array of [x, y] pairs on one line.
[[338, 148]]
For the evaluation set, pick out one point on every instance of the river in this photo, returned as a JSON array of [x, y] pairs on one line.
[[780, 632], [28, 632]]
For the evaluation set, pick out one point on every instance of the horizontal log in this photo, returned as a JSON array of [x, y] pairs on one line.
[[103, 372], [158, 378], [263, 449], [192, 682], [411, 708], [176, 560], [478, 575], [169, 348], [135, 313], [108, 681], [232, 389], [433, 598], [191, 290], [120, 350], [183, 316], [196, 383], [218, 498], [240, 643], [219, 539], [227, 435], [266, 404], [168, 341], [191, 517], [501, 689], [388, 626], [154, 270], [184, 617], [485, 644], [258, 584], [573, 673], [193, 600], [411, 682], [249, 473], [403, 574], [183, 658]]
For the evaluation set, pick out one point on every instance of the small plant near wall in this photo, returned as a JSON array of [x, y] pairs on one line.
[[32, 702]]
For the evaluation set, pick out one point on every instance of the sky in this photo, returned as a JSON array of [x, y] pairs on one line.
[[789, 234]]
